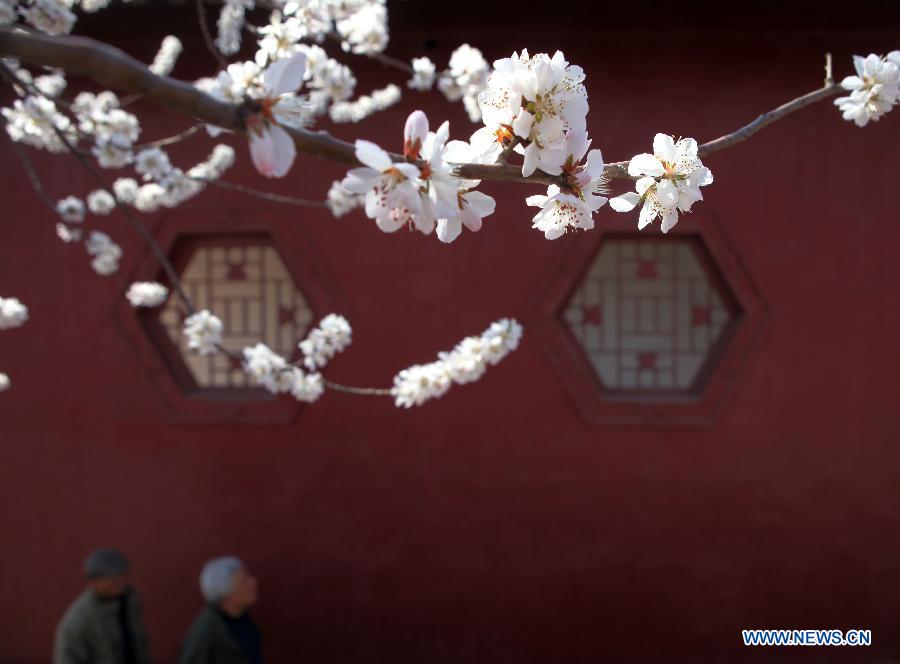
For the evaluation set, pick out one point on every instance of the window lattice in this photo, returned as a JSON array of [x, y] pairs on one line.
[[647, 314], [250, 289]]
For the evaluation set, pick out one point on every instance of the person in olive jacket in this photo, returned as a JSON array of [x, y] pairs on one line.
[[104, 625], [224, 632]]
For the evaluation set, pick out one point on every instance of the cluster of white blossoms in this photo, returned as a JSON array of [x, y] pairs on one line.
[[12, 313], [340, 201], [274, 373], [332, 336], [424, 74], [55, 17], [464, 364], [361, 25], [573, 208], [105, 253], [465, 77], [166, 185], [873, 91], [365, 105], [114, 130], [31, 120], [670, 181], [165, 59], [429, 198], [147, 294], [537, 100], [203, 332]]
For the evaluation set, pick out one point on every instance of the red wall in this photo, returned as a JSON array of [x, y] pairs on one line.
[[494, 525]]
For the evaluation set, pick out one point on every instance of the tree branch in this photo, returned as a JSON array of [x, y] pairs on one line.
[[111, 67]]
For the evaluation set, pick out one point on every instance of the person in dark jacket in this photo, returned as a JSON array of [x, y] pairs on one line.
[[224, 632], [104, 625]]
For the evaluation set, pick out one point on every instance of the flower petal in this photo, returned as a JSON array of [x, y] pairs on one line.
[[372, 155], [645, 164], [285, 75], [482, 204], [670, 218], [664, 148], [449, 229], [667, 194], [523, 123], [625, 202], [648, 214]]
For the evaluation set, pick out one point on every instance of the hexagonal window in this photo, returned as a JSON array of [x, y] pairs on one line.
[[652, 316], [245, 282]]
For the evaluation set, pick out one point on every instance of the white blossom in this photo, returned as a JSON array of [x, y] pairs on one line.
[[71, 209], [167, 55], [365, 105], [873, 91], [574, 207], [391, 190], [106, 253], [417, 384], [219, 161], [340, 201], [94, 5], [306, 387], [230, 24], [273, 372], [114, 130], [203, 332], [673, 175], [423, 74], [267, 368], [466, 363], [149, 197], [51, 85], [101, 202], [271, 147], [471, 206], [147, 294], [331, 336], [12, 313], [31, 121], [5, 382], [465, 77], [126, 190], [365, 29], [152, 163], [68, 234], [51, 16]]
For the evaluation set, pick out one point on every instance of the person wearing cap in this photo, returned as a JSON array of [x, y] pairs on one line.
[[104, 624], [224, 632]]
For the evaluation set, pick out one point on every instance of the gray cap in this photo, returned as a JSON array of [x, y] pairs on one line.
[[104, 563]]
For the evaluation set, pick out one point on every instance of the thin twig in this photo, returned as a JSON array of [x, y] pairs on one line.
[[27, 164], [207, 37], [264, 195], [829, 78], [171, 140], [766, 119], [383, 58], [368, 391]]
